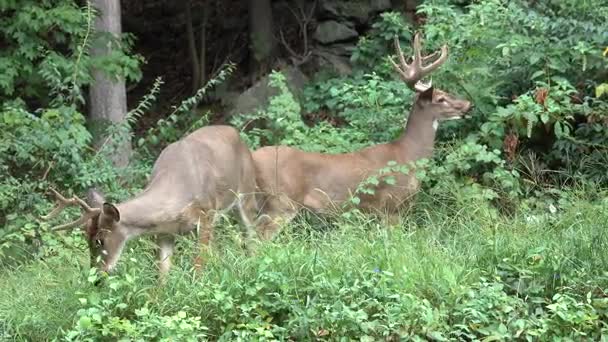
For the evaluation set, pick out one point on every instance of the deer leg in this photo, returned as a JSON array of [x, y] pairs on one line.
[[166, 243], [247, 211], [205, 235], [392, 220]]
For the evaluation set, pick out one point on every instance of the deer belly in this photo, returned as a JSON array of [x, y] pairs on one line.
[[391, 197], [322, 202]]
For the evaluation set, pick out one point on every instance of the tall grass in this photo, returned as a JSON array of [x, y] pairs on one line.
[[456, 273]]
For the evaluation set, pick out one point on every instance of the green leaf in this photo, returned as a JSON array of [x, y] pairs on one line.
[[85, 322], [558, 130], [544, 117], [390, 180], [534, 58], [601, 90], [537, 74]]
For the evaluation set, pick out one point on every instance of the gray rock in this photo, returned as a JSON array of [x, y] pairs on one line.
[[340, 64], [331, 31], [380, 5], [257, 96], [341, 49], [358, 10]]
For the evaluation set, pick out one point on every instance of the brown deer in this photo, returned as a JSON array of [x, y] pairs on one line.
[[290, 179], [194, 179]]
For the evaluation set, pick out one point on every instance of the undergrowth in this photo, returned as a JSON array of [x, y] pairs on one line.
[[439, 275]]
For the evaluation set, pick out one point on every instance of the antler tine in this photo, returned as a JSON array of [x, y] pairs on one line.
[[84, 218], [404, 66], [88, 214], [416, 71], [429, 57], [442, 58], [62, 203], [417, 63]]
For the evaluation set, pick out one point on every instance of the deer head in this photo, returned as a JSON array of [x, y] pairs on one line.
[[101, 222], [436, 104]]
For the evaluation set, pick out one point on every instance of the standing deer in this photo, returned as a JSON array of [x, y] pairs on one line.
[[290, 179], [209, 171]]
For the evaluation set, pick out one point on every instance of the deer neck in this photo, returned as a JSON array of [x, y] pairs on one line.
[[149, 209], [418, 138]]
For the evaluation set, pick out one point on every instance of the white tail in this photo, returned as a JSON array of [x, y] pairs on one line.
[[209, 171], [290, 179]]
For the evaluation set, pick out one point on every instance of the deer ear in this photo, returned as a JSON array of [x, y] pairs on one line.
[[111, 211], [426, 95]]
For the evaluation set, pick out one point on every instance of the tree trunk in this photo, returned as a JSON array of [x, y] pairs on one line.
[[192, 47], [261, 37], [203, 50], [410, 10], [108, 95]]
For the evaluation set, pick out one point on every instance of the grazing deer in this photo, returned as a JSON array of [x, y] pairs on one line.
[[209, 171], [290, 179]]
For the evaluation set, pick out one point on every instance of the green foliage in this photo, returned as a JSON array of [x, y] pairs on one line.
[[371, 49], [52, 149], [530, 54], [281, 124], [45, 52], [543, 55], [36, 149], [370, 104], [45, 62], [184, 119], [102, 316], [465, 274]]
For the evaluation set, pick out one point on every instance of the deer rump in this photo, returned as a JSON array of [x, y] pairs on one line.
[[206, 171]]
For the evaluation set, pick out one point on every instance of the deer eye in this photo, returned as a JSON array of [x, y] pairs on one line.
[[98, 242], [441, 100]]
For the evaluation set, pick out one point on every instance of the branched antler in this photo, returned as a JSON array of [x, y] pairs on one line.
[[63, 203], [414, 72]]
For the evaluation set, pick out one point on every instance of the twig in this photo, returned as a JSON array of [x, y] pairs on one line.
[[46, 173]]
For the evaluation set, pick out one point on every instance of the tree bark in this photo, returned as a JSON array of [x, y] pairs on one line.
[[108, 95], [192, 47], [262, 42], [203, 50], [410, 10]]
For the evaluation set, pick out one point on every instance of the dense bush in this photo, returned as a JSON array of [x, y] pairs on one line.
[[448, 275], [532, 72]]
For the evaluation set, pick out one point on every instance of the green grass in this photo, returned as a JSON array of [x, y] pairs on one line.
[[453, 274]]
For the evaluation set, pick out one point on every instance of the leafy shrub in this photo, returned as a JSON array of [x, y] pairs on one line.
[[548, 62], [37, 66], [282, 124], [535, 66]]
